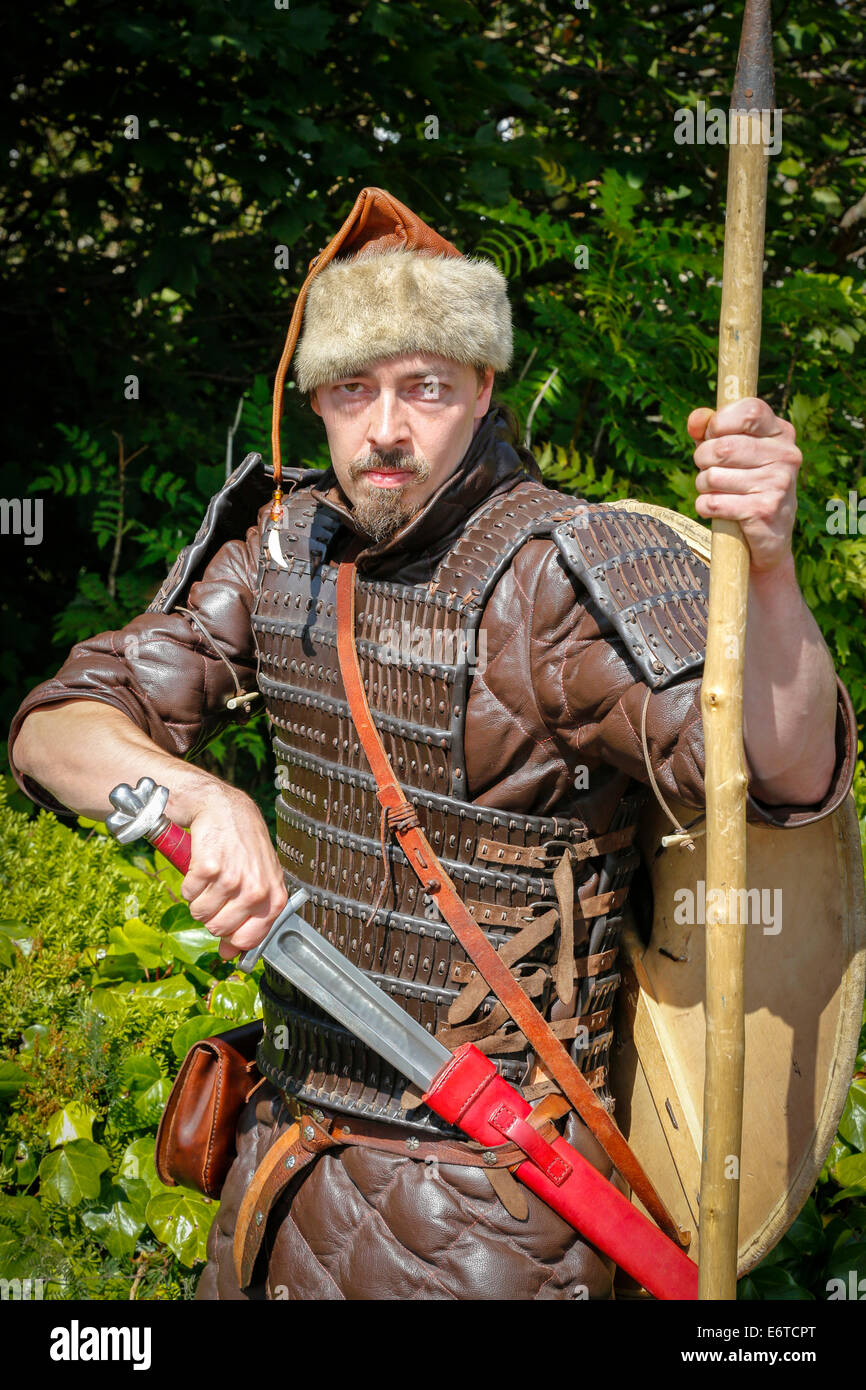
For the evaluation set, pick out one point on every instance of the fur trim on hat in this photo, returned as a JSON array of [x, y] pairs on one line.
[[397, 302]]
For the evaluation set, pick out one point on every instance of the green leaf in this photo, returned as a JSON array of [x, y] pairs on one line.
[[852, 1125], [845, 1260], [772, 1283], [115, 1222], [150, 1104], [806, 1235], [194, 1029], [176, 917], [33, 1035], [181, 1220], [174, 993], [12, 1078], [108, 1004], [192, 944], [236, 999], [71, 1175], [850, 1172], [139, 1073], [74, 1121], [23, 1225], [138, 1163], [144, 942], [18, 1164], [18, 933]]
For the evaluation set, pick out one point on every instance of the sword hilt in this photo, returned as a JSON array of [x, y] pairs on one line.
[[140, 814]]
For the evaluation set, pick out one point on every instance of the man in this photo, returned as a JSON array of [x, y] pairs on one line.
[[523, 698]]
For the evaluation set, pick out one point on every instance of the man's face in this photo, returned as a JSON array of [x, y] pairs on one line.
[[397, 431]]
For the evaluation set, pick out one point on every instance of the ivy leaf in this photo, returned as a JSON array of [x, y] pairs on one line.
[[181, 1220], [192, 944], [18, 933], [74, 1121], [12, 1078], [142, 941], [235, 999], [138, 1164], [772, 1283], [138, 1073], [852, 1125], [150, 1104], [176, 917], [806, 1235], [173, 993], [32, 1036], [115, 1222], [201, 1026], [847, 1260], [850, 1172], [108, 1004], [18, 1164], [23, 1224], [71, 1175]]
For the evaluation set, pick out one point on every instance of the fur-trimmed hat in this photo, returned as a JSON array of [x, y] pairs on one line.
[[381, 304], [388, 284]]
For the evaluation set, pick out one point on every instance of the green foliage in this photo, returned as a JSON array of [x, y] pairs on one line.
[[107, 982]]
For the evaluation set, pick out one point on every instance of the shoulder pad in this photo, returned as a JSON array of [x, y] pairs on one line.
[[229, 512], [647, 581], [493, 535]]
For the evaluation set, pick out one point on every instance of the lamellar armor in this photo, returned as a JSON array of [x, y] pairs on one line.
[[548, 890]]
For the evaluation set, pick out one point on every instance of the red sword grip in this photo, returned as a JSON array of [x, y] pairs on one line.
[[175, 844], [470, 1093]]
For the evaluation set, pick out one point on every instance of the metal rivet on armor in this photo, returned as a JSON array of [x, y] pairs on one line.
[[290, 1161], [489, 1156], [413, 1143], [260, 1216]]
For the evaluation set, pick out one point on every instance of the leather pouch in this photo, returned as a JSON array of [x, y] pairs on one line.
[[195, 1142]]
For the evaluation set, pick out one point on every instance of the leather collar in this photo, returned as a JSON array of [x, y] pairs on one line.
[[494, 462]]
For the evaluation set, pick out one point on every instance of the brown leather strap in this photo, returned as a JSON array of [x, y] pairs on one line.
[[586, 966], [425, 865], [281, 1164], [550, 853]]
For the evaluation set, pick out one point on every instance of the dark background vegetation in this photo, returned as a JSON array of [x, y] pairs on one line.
[[155, 258]]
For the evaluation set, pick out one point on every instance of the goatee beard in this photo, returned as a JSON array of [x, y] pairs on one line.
[[381, 511]]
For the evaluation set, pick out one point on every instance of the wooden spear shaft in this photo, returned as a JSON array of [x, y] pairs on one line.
[[722, 688]]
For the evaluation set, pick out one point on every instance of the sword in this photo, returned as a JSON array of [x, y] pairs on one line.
[[465, 1089]]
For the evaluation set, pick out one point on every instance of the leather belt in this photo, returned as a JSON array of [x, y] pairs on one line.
[[314, 1133]]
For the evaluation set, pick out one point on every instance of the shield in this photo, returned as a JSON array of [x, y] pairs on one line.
[[805, 972], [805, 976]]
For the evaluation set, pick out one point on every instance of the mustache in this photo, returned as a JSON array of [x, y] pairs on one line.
[[389, 461]]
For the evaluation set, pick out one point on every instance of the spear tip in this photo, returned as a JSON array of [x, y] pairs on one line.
[[754, 85]]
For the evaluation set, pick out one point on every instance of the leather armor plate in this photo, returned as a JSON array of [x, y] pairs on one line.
[[416, 647]]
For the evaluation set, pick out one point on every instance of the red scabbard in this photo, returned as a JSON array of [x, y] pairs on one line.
[[470, 1093]]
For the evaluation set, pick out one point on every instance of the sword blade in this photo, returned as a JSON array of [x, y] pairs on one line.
[[303, 957]]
